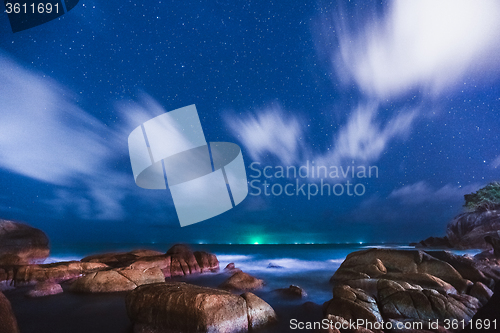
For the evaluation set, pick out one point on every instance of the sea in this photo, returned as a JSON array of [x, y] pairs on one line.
[[309, 266]]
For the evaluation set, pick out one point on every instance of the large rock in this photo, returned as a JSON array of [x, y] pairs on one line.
[[120, 259], [405, 302], [55, 272], [21, 244], [434, 242], [121, 279], [468, 230], [488, 314], [397, 285], [157, 307], [401, 265], [207, 261], [45, 289], [242, 281], [292, 292], [352, 304], [259, 313], [178, 261], [8, 322], [481, 292]]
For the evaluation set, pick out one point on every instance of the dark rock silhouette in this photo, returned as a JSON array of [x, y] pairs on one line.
[[21, 244]]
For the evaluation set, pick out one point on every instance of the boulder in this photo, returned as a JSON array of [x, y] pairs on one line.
[[352, 304], [8, 322], [468, 230], [400, 303], [242, 281], [434, 242], [494, 241], [259, 313], [271, 265], [120, 259], [55, 272], [21, 244], [488, 314], [230, 267], [156, 307], [481, 292], [400, 285], [292, 292], [468, 268], [178, 261], [45, 289], [183, 260], [399, 264], [116, 280], [207, 261]]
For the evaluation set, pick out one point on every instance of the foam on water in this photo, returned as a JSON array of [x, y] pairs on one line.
[[59, 258]]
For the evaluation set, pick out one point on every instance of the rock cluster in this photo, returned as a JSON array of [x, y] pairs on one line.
[[113, 271], [385, 285], [157, 308]]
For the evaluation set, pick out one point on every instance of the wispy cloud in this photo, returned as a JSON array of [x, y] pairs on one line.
[[269, 133], [364, 139], [46, 136], [422, 192], [496, 162], [418, 44]]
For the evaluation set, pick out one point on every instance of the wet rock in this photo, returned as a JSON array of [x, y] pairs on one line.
[[271, 265], [487, 314], [45, 289], [468, 230], [406, 286], [260, 313], [120, 259], [8, 322], [242, 281], [178, 261], [292, 292], [434, 242], [21, 244], [55, 272], [154, 308], [116, 280], [207, 261], [481, 292], [230, 267]]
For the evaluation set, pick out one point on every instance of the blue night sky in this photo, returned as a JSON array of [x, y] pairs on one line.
[[411, 87]]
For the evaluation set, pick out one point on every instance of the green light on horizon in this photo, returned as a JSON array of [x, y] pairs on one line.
[[256, 240]]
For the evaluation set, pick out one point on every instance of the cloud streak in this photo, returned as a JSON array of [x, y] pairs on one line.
[[270, 133], [362, 138], [422, 192], [45, 136], [418, 44]]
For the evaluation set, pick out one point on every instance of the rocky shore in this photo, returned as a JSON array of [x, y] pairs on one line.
[[157, 302], [388, 288], [375, 286]]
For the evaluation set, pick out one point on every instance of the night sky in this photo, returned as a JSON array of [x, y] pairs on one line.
[[411, 87]]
